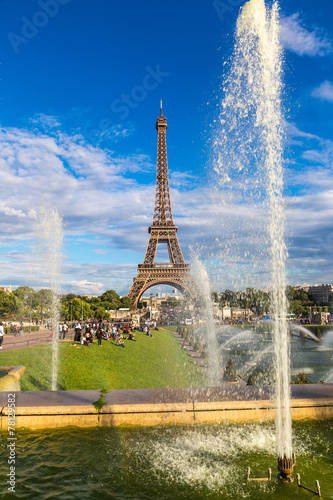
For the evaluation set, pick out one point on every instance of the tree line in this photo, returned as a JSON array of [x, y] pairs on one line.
[[259, 301], [25, 301]]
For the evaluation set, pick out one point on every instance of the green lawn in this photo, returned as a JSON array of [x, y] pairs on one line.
[[147, 363]]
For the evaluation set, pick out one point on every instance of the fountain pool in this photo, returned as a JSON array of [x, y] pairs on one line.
[[248, 346], [174, 462]]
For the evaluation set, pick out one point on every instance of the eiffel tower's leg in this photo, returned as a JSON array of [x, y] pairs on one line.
[[136, 290], [151, 251], [175, 253]]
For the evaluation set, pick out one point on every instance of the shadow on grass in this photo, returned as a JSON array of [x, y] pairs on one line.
[[37, 384]]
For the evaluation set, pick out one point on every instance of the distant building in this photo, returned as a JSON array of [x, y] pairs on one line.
[[226, 312], [7, 289], [304, 287], [320, 293], [235, 313], [241, 313], [319, 318]]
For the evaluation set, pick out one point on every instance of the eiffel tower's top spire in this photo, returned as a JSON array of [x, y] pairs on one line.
[[162, 210]]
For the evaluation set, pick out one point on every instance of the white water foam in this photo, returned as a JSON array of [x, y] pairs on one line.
[[205, 457]]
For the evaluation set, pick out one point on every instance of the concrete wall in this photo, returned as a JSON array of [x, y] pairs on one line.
[[47, 409]]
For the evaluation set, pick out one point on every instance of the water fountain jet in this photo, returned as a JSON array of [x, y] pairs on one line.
[[49, 232], [251, 138]]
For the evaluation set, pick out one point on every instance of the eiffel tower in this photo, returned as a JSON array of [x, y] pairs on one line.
[[175, 273]]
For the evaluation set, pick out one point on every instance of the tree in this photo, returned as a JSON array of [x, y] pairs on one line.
[[297, 308], [94, 302], [68, 298], [100, 313], [105, 305], [24, 293], [76, 307], [126, 302], [10, 306], [110, 296]]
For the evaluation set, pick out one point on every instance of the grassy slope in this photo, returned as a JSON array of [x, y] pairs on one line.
[[147, 363]]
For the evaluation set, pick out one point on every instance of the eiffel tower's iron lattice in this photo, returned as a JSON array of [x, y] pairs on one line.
[[175, 273]]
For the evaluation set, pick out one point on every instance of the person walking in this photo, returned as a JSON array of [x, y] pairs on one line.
[[99, 335], [1, 334], [64, 330], [78, 329]]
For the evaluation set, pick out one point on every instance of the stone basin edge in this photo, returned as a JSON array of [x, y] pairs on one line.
[[145, 407]]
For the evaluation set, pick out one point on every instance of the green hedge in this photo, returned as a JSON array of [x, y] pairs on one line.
[[26, 329], [323, 328]]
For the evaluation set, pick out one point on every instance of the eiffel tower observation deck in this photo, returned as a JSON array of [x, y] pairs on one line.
[[176, 272]]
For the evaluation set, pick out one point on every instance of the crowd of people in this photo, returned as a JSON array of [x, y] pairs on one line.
[[86, 332]]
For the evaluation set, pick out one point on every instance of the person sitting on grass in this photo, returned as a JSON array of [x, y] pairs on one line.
[[120, 341], [148, 333], [89, 337], [84, 340], [131, 335]]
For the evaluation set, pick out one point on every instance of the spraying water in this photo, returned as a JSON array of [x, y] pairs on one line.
[[202, 279], [49, 232], [234, 337], [301, 330], [249, 151]]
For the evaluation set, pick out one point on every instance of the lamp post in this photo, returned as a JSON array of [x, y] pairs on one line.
[[41, 307], [30, 313]]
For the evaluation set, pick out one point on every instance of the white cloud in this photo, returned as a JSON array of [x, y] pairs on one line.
[[315, 149], [299, 39], [324, 91], [88, 287], [48, 122], [106, 209]]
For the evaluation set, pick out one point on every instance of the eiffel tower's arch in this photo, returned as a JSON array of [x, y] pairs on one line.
[[176, 272], [154, 277]]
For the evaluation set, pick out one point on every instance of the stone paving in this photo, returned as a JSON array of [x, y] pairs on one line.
[[15, 342]]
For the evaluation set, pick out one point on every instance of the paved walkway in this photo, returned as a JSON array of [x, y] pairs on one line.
[[29, 339]]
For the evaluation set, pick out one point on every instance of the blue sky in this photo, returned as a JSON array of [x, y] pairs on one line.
[[79, 95]]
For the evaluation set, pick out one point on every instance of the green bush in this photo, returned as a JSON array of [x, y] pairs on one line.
[[230, 374], [204, 353], [197, 345], [251, 380], [301, 378], [319, 334], [25, 329]]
